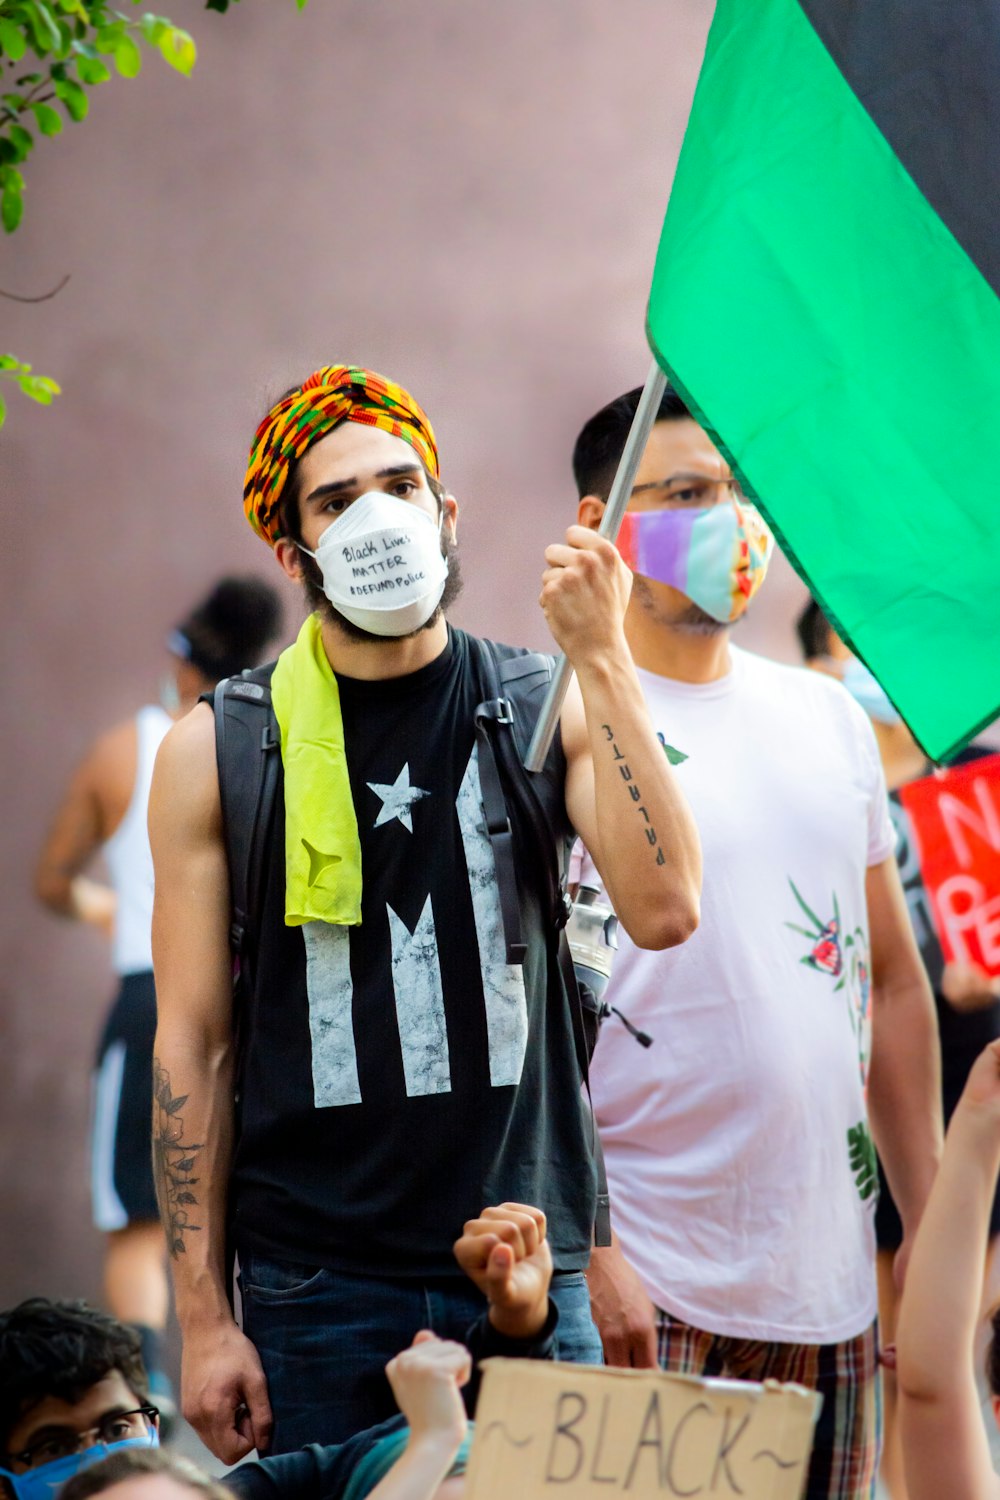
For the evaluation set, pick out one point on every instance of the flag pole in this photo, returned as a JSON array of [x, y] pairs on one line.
[[614, 510]]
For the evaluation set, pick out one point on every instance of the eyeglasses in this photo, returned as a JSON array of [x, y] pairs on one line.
[[116, 1427], [696, 490]]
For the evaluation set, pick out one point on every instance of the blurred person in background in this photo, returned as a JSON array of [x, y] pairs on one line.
[[738, 1146], [967, 1000], [104, 812]]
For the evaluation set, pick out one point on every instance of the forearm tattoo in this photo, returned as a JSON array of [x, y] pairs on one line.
[[173, 1161], [625, 772]]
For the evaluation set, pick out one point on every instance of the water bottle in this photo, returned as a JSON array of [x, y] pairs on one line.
[[592, 931]]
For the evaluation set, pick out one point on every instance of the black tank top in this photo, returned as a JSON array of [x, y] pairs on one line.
[[399, 1076]]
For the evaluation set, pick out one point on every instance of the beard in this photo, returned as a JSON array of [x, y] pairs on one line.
[[312, 581], [697, 621], [692, 619]]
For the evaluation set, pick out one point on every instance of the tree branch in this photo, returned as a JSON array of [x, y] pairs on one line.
[[45, 297]]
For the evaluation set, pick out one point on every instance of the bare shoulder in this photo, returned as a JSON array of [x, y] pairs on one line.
[[111, 759], [185, 779], [106, 775]]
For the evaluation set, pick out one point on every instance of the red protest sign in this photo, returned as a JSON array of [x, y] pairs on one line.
[[955, 818]]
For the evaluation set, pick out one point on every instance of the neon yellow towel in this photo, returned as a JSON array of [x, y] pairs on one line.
[[322, 848]]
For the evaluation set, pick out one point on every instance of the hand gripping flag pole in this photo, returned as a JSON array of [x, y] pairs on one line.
[[621, 490]]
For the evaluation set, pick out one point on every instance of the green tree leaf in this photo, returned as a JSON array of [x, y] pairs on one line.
[[49, 120], [11, 207], [3, 411], [43, 24], [92, 70], [74, 97], [12, 40], [39, 388], [128, 58], [153, 28], [108, 37], [178, 49]]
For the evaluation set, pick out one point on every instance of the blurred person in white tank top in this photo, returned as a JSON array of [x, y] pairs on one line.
[[104, 811]]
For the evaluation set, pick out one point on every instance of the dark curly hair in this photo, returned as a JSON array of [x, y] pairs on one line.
[[61, 1349], [230, 628]]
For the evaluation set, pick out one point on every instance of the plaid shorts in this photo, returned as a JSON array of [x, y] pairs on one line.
[[845, 1455]]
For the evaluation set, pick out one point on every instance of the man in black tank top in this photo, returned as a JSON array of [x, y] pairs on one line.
[[394, 1069]]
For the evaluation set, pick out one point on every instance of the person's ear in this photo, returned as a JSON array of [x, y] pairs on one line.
[[449, 510], [289, 558], [590, 512], [995, 1403]]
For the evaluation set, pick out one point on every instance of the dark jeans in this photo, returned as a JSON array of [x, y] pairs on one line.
[[324, 1339]]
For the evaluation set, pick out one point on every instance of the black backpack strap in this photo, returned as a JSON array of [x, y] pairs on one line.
[[247, 745], [501, 766], [584, 1040], [247, 742], [493, 717]]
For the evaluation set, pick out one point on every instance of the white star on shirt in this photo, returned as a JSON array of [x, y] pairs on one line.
[[398, 799]]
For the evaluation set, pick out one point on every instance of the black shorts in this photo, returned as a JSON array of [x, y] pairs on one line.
[[121, 1177]]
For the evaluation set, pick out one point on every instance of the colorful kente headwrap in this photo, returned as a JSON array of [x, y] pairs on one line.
[[337, 393]]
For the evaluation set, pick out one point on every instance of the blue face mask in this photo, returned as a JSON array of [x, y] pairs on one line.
[[866, 690], [44, 1482]]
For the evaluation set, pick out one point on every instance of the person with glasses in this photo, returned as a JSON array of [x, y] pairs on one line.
[[73, 1389], [739, 1145]]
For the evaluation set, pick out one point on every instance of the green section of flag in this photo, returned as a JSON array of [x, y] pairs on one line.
[[843, 350]]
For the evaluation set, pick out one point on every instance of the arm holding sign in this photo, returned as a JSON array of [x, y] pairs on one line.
[[904, 1087], [945, 1448]]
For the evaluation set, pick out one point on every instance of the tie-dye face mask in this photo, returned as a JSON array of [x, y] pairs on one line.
[[717, 557]]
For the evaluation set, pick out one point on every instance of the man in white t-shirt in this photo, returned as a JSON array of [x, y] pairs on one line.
[[739, 1156]]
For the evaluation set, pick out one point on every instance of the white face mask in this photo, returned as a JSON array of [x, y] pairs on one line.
[[382, 564]]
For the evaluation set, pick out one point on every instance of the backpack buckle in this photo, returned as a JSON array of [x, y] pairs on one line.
[[504, 711]]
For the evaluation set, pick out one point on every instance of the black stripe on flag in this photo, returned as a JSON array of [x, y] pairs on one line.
[[928, 74]]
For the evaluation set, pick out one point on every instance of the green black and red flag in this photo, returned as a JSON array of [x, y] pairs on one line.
[[827, 299]]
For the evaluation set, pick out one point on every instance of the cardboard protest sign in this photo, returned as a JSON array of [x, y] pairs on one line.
[[544, 1430], [955, 822]]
